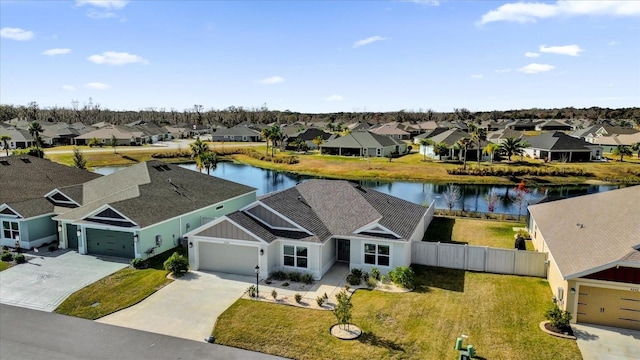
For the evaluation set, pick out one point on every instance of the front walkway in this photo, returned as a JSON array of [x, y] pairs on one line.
[[607, 343], [47, 279]]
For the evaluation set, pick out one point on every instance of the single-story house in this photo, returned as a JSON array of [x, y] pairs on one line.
[[391, 131], [609, 143], [142, 210], [593, 255], [28, 199], [558, 146], [450, 138], [236, 133], [20, 139], [522, 125], [553, 125], [308, 228], [428, 134], [124, 135], [309, 135], [499, 136], [364, 143]]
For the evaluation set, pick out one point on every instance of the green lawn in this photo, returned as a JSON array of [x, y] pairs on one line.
[[491, 233], [120, 290], [499, 313], [4, 265]]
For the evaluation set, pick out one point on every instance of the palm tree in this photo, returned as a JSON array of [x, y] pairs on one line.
[[464, 144], [35, 129], [317, 141], [5, 141], [490, 150], [299, 145], [440, 149], [208, 160], [266, 134], [512, 146], [425, 143], [478, 135], [113, 142], [197, 148], [276, 135], [622, 150], [636, 147]]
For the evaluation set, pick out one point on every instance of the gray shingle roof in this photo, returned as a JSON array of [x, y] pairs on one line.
[[329, 208], [451, 136], [24, 184], [362, 139], [557, 141], [586, 232]]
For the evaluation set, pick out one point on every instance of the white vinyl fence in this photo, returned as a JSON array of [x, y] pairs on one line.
[[480, 258]]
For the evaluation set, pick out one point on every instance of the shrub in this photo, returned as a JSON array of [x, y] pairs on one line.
[[320, 300], [19, 259], [307, 278], [138, 263], [353, 280], [267, 281], [357, 273], [6, 256], [251, 291], [402, 276], [372, 282], [5, 248], [365, 277], [325, 296], [295, 276], [375, 273], [279, 275], [298, 298], [558, 318], [52, 248], [285, 284], [177, 264], [274, 294]]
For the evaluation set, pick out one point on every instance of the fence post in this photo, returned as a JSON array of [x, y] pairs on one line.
[[515, 260], [486, 258], [438, 254], [466, 257]]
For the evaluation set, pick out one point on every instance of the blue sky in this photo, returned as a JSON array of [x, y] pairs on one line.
[[321, 56]]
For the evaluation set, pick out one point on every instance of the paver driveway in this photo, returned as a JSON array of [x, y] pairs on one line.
[[47, 280], [186, 308]]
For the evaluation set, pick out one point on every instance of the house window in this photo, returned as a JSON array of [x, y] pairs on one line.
[[10, 229], [376, 254], [295, 256], [379, 152]]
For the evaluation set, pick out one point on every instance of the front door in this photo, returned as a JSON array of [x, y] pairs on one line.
[[344, 250]]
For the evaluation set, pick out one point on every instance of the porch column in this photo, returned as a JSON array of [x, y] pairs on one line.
[[570, 154]]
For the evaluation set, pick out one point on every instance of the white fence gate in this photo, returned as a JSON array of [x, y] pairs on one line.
[[480, 258]]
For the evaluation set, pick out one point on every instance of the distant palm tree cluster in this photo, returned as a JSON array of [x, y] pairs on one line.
[[204, 157]]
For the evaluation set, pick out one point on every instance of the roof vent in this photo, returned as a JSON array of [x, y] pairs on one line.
[[25, 160], [4, 162], [580, 225]]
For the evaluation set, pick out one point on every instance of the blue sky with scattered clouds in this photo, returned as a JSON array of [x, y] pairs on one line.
[[321, 56]]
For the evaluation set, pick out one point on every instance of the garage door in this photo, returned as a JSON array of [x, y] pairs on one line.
[[110, 243], [226, 258], [600, 306], [72, 237]]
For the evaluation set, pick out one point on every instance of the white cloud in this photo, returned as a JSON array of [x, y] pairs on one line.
[[68, 87], [116, 58], [613, 43], [477, 76], [571, 50], [101, 14], [272, 80], [97, 86], [105, 4], [503, 70], [529, 12], [530, 54], [424, 2], [16, 34], [534, 68], [53, 52], [334, 97], [368, 41]]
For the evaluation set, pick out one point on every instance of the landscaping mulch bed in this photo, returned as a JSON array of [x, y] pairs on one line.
[[554, 329]]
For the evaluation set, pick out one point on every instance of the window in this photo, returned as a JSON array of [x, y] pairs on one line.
[[295, 256], [376, 254], [10, 229], [379, 152]]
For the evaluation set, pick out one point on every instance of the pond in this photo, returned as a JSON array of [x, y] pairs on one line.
[[472, 197]]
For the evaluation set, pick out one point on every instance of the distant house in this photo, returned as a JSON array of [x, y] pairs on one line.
[[20, 139], [593, 242], [608, 143], [391, 131], [124, 136], [522, 125], [450, 138], [309, 135], [590, 134], [499, 136], [429, 134], [236, 133], [359, 126], [364, 143], [60, 133], [29, 199], [310, 227], [558, 146], [553, 125]]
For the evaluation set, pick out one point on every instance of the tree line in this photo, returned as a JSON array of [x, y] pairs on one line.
[[91, 113]]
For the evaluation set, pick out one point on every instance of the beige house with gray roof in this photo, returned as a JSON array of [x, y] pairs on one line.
[[593, 243]]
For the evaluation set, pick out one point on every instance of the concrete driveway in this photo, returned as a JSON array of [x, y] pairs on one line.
[[186, 308], [46, 280], [607, 343]]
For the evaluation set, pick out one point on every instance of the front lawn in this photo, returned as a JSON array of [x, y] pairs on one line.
[[117, 291], [498, 234], [499, 313], [4, 265]]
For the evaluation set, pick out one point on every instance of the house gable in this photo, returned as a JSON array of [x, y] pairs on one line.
[[378, 230], [107, 215], [274, 220], [8, 211], [618, 274], [225, 228], [58, 198]]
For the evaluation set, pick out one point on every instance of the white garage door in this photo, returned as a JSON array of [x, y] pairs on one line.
[[233, 259]]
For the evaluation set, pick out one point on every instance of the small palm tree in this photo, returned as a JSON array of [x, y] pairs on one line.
[[198, 147], [512, 146], [425, 143], [317, 141], [5, 141], [636, 147], [478, 135], [490, 150], [35, 129], [266, 134], [464, 145], [622, 150], [276, 135], [208, 160]]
